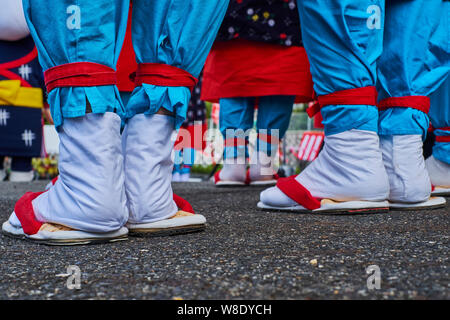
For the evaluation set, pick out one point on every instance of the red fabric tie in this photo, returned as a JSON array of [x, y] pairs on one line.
[[25, 213], [294, 190], [357, 96], [421, 103], [164, 75], [443, 138], [79, 74], [182, 204]]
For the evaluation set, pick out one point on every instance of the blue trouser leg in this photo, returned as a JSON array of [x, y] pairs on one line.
[[415, 60], [188, 160], [178, 33], [274, 114], [343, 52], [185, 156], [440, 118], [236, 115], [82, 31], [189, 156], [178, 159]]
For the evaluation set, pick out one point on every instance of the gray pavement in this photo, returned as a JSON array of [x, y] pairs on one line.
[[244, 253]]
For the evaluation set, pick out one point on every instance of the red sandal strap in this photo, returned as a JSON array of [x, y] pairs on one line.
[[297, 192], [217, 177], [182, 204], [25, 213], [247, 177]]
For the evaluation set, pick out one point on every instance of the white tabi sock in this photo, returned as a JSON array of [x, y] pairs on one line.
[[234, 170], [261, 166], [89, 194], [403, 158], [148, 167], [349, 167], [439, 172]]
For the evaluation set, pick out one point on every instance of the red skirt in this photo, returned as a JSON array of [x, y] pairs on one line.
[[241, 68]]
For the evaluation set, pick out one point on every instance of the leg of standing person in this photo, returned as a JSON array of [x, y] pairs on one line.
[[172, 40], [78, 51], [188, 162], [343, 52], [413, 65], [21, 169], [178, 162], [438, 164], [274, 114], [236, 117]]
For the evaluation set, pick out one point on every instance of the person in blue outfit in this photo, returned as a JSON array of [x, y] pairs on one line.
[[257, 63], [438, 164], [374, 66], [111, 184]]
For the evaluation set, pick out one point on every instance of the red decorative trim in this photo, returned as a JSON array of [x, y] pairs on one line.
[[182, 204], [442, 138], [294, 190], [164, 75], [12, 76], [421, 103], [431, 128], [356, 96], [25, 213], [79, 74], [17, 63]]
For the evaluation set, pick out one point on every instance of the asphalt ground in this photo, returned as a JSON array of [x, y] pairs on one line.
[[244, 253]]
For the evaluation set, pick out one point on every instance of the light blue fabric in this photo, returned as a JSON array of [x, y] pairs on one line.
[[413, 57], [179, 33], [415, 60], [343, 52], [440, 118], [61, 38], [337, 119], [274, 113]]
